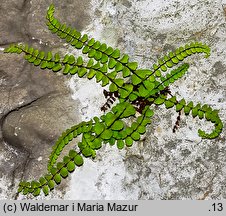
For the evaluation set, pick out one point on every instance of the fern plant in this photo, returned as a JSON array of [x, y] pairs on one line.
[[135, 89]]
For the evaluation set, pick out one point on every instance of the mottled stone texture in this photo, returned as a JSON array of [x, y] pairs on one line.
[[36, 105]]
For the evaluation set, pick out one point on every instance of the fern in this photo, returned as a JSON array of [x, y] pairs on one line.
[[141, 89]]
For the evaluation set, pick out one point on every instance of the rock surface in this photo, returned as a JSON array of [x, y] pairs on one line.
[[36, 106]]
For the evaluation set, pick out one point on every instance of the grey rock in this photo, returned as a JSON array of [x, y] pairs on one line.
[[35, 105], [33, 128]]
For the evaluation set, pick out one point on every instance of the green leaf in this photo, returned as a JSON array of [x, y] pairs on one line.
[[84, 38], [146, 121], [66, 57], [64, 172], [73, 70], [66, 159], [118, 67], [132, 65], [149, 113], [53, 170], [56, 57], [79, 61], [124, 59], [85, 49], [98, 128], [194, 112], [132, 97], [111, 141], [149, 85], [71, 166], [37, 62], [98, 55], [99, 76], [143, 73], [143, 92], [91, 74], [111, 64], [90, 63], [119, 82], [27, 57], [117, 125], [180, 57], [46, 190], [48, 177], [104, 59], [163, 68], [87, 152], [105, 81], [112, 75], [60, 165], [25, 191], [36, 191], [19, 189], [200, 114], [78, 160], [96, 66], [124, 93], [57, 67], [135, 136], [175, 60], [169, 64], [159, 101], [107, 134], [120, 144], [109, 119], [158, 73], [129, 141], [42, 181], [49, 56], [116, 54], [168, 104], [125, 72], [51, 184], [130, 110], [135, 79], [97, 143], [113, 87], [78, 45], [104, 68], [30, 50], [187, 110], [91, 42], [32, 59], [72, 153], [92, 53], [96, 45], [57, 178], [71, 60], [109, 51], [141, 129], [173, 100], [82, 72], [103, 47], [50, 65]]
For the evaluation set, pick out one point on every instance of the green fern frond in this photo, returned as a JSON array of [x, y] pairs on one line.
[[54, 177], [200, 111], [173, 58]]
